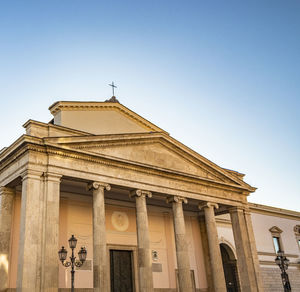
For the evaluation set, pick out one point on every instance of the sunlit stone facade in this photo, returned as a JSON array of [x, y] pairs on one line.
[[153, 214]]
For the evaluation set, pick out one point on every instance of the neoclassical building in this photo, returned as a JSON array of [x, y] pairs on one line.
[[153, 214]]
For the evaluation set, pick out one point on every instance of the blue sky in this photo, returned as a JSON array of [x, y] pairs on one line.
[[222, 77]]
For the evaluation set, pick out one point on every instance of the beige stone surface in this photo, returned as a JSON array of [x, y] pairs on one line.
[[182, 254], [144, 251], [246, 257], [214, 248], [29, 263], [6, 213], [107, 142], [99, 237]]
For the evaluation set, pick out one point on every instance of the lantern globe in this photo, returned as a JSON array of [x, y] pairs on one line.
[[82, 254], [62, 254], [72, 242]]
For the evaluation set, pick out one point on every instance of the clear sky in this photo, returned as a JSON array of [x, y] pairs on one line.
[[222, 77]]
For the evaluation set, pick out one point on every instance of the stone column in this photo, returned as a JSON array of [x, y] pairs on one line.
[[214, 247], [247, 261], [182, 253], [100, 265], [30, 243], [144, 251], [6, 209], [50, 232]]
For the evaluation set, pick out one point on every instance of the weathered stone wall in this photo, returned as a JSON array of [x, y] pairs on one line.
[[272, 280]]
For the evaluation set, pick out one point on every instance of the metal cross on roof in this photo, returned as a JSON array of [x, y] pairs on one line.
[[113, 87]]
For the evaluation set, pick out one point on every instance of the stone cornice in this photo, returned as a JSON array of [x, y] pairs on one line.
[[57, 127], [50, 149], [96, 106], [273, 211], [84, 143]]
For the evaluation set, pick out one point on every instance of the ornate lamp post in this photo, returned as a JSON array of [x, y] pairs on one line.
[[62, 254], [283, 264]]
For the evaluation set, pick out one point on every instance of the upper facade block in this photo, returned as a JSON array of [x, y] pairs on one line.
[[100, 118]]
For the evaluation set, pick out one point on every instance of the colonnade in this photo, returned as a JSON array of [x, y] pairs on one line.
[[39, 226]]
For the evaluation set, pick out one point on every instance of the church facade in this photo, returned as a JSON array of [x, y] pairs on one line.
[[152, 214]]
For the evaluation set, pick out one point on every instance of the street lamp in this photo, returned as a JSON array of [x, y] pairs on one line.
[[283, 264], [62, 254]]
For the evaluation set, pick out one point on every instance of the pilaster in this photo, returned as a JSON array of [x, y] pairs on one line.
[[247, 260], [50, 232], [100, 264], [6, 208], [30, 242], [144, 251]]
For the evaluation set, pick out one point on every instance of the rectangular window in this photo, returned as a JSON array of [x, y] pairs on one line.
[[276, 242]]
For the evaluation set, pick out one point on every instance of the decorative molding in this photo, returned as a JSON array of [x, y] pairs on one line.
[[31, 174], [297, 230], [96, 185], [54, 177], [140, 193], [203, 205], [275, 230], [120, 221], [5, 191], [177, 199], [273, 254]]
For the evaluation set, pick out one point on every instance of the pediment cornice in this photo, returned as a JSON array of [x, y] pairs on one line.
[[88, 144], [100, 106]]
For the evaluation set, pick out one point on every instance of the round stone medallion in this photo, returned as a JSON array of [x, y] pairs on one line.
[[120, 221]]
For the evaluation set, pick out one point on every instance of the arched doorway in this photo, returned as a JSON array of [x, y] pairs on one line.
[[230, 268]]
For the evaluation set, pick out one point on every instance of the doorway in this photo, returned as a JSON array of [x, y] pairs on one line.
[[121, 271], [230, 268]]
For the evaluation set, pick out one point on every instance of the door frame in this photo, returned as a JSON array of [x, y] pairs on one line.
[[133, 249]]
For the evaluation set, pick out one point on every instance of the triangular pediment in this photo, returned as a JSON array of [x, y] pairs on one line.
[[100, 118], [154, 150]]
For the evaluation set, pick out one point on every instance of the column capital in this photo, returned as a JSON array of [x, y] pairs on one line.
[[50, 176], [6, 191], [99, 185], [208, 205], [30, 173], [140, 193], [234, 209], [177, 199]]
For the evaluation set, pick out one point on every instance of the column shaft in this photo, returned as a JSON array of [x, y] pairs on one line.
[[214, 247], [30, 243], [247, 261], [143, 239], [50, 232], [100, 265], [6, 209], [182, 253]]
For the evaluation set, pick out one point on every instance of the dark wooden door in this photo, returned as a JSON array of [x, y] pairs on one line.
[[230, 271], [121, 279]]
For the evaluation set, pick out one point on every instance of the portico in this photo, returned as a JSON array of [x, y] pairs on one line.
[[118, 184]]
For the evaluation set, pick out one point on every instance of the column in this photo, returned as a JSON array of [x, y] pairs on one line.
[[207, 264], [182, 253], [50, 232], [214, 247], [144, 251], [6, 209], [100, 265], [30, 243], [247, 260]]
